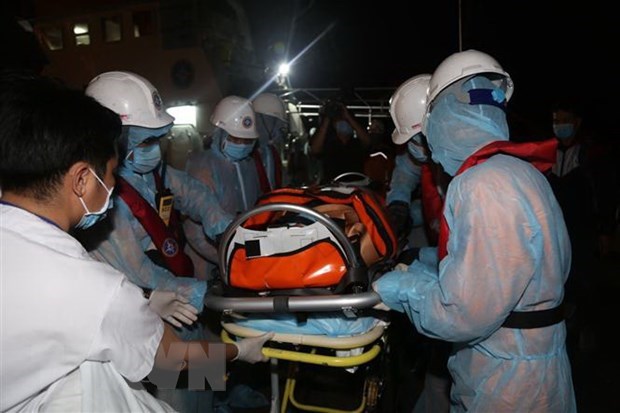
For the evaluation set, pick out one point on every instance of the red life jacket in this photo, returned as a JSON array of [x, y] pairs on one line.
[[166, 238], [432, 204], [540, 154]]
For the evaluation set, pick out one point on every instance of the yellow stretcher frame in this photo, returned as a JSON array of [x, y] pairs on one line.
[[336, 343]]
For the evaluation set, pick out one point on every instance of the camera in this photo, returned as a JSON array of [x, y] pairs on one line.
[[332, 109]]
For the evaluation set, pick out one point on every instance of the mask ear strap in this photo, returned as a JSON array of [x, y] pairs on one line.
[[100, 180], [84, 205]]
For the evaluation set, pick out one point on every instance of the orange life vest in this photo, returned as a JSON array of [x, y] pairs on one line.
[[316, 262]]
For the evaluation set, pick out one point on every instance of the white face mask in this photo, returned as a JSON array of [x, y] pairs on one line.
[[91, 218]]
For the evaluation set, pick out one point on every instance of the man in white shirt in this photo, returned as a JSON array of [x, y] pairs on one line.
[[74, 332]]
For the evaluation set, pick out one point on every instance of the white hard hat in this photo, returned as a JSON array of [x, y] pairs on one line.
[[462, 65], [235, 115], [270, 104], [133, 97], [407, 107]]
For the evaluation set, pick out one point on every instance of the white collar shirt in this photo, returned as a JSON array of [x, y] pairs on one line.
[[61, 309]]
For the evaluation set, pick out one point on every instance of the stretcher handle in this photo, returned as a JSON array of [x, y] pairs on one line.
[[348, 303], [346, 246], [364, 180]]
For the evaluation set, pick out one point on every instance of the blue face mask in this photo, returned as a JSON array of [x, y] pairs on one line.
[[563, 130], [236, 151], [343, 127], [91, 218], [416, 149], [145, 158]]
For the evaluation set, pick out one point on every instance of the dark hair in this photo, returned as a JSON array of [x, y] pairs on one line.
[[45, 128], [568, 104]]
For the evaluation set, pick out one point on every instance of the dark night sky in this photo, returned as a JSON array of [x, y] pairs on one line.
[[567, 48], [549, 47]]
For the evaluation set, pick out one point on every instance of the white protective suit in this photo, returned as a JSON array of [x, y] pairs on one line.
[[236, 186], [74, 331], [508, 250]]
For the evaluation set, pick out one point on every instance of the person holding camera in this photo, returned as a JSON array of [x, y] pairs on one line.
[[340, 142]]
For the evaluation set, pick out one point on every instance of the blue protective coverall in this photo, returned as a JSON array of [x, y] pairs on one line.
[[405, 179], [508, 250], [125, 246], [236, 187]]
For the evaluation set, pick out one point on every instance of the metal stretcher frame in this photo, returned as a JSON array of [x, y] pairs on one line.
[[347, 303], [369, 342], [337, 343], [279, 404]]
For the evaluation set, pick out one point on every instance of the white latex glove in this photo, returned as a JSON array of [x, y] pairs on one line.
[[381, 306], [401, 267], [173, 307], [251, 349]]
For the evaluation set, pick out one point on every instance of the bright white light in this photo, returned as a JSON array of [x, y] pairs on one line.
[[281, 78], [80, 28], [183, 114], [283, 69]]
